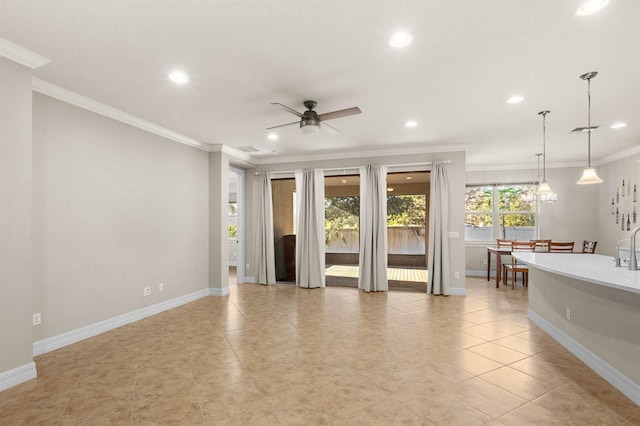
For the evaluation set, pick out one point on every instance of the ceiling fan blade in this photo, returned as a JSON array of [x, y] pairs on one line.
[[283, 125], [330, 130], [286, 108], [337, 114]]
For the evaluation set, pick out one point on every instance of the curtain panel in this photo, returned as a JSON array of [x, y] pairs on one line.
[[373, 229], [438, 257], [310, 239], [264, 241]]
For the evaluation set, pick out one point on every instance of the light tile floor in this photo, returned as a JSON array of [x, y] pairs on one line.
[[281, 355]]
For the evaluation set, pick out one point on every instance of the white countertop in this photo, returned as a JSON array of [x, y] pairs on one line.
[[592, 268]]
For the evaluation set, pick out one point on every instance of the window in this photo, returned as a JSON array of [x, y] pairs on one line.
[[500, 211]]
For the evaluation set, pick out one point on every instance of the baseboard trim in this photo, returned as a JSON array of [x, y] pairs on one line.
[[457, 291], [478, 273], [61, 340], [218, 292], [250, 280], [621, 382], [18, 375]]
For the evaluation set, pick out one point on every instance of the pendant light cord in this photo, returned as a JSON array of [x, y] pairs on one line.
[[544, 146], [589, 123]]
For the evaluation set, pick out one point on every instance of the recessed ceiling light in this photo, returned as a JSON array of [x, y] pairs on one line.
[[389, 189], [408, 178], [515, 99], [591, 6], [343, 181], [618, 125], [272, 137], [411, 123], [179, 77], [400, 39]]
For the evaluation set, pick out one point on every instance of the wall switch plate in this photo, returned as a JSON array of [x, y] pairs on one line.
[[568, 313], [37, 319], [146, 291], [246, 267], [457, 274], [161, 287]]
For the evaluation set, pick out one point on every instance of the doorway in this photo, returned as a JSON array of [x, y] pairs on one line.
[[283, 193], [407, 229], [342, 229], [235, 212]]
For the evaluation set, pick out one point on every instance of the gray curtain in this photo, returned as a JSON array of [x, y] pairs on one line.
[[310, 241], [264, 243], [438, 258], [373, 229]]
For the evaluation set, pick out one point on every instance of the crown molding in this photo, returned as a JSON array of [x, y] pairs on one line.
[[619, 155], [505, 167], [383, 152], [23, 56], [240, 157], [92, 105]]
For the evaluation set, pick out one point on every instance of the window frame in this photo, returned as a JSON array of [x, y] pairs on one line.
[[496, 213]]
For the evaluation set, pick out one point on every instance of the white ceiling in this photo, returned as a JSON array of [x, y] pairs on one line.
[[466, 59]]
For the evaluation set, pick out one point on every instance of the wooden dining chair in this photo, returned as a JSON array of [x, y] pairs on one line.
[[503, 243], [556, 247], [542, 245], [515, 267], [589, 246]]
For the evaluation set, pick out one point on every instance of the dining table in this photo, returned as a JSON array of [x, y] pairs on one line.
[[498, 251]]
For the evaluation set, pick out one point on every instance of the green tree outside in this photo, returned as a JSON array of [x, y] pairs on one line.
[[344, 213]]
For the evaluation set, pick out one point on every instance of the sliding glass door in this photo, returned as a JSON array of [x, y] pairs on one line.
[[407, 227], [342, 223]]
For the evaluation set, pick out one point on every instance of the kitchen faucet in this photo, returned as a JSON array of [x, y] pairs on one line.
[[617, 258], [633, 260]]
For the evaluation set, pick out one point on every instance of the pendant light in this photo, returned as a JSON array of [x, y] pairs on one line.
[[589, 175], [544, 191]]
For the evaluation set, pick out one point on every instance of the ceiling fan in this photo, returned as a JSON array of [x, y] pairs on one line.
[[310, 120]]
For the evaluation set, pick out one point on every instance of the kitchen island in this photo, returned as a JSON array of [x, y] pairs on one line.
[[591, 308]]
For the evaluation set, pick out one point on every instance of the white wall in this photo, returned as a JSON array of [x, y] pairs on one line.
[[115, 209], [456, 199], [574, 217], [612, 174], [15, 218], [219, 223]]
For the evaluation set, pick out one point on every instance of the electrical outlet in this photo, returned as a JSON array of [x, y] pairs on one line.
[[146, 291], [568, 313], [161, 287], [457, 274], [37, 319]]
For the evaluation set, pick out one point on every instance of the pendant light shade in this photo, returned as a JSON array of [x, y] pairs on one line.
[[544, 192], [589, 175], [544, 188]]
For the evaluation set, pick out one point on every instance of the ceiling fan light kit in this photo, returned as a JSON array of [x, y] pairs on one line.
[[311, 122]]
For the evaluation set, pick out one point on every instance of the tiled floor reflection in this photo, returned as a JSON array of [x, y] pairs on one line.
[[280, 355]]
